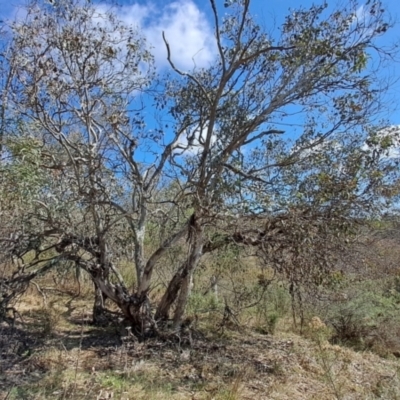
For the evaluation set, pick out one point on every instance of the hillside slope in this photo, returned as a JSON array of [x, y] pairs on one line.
[[69, 359]]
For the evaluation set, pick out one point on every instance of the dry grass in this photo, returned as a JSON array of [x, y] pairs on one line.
[[54, 353]]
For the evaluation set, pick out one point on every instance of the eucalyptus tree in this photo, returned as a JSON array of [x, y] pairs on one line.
[[217, 159], [302, 182], [75, 73]]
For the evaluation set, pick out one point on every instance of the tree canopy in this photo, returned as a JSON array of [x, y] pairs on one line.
[[274, 146]]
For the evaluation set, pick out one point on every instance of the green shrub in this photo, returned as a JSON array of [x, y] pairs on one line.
[[361, 320]]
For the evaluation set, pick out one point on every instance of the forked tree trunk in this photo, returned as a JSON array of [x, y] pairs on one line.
[[138, 312], [181, 276], [136, 309]]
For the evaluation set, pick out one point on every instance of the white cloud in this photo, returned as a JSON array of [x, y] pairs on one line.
[[361, 13], [361, 22], [360, 16], [388, 137], [192, 143], [186, 28], [314, 147]]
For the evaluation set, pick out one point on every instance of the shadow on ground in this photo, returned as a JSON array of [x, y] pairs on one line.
[[21, 343]]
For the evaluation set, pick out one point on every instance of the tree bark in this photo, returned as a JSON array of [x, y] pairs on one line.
[[183, 297], [138, 255], [99, 317], [184, 272]]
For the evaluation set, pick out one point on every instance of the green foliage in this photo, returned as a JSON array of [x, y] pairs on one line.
[[102, 183], [199, 303], [361, 319], [268, 325], [22, 179], [275, 305]]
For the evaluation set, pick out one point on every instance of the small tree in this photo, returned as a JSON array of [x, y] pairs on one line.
[[212, 163], [24, 254]]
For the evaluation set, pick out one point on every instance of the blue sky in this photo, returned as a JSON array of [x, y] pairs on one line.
[[188, 28]]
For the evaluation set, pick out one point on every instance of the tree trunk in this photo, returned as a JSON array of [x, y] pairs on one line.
[[135, 308], [182, 299], [99, 316], [139, 256], [184, 273], [138, 312]]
